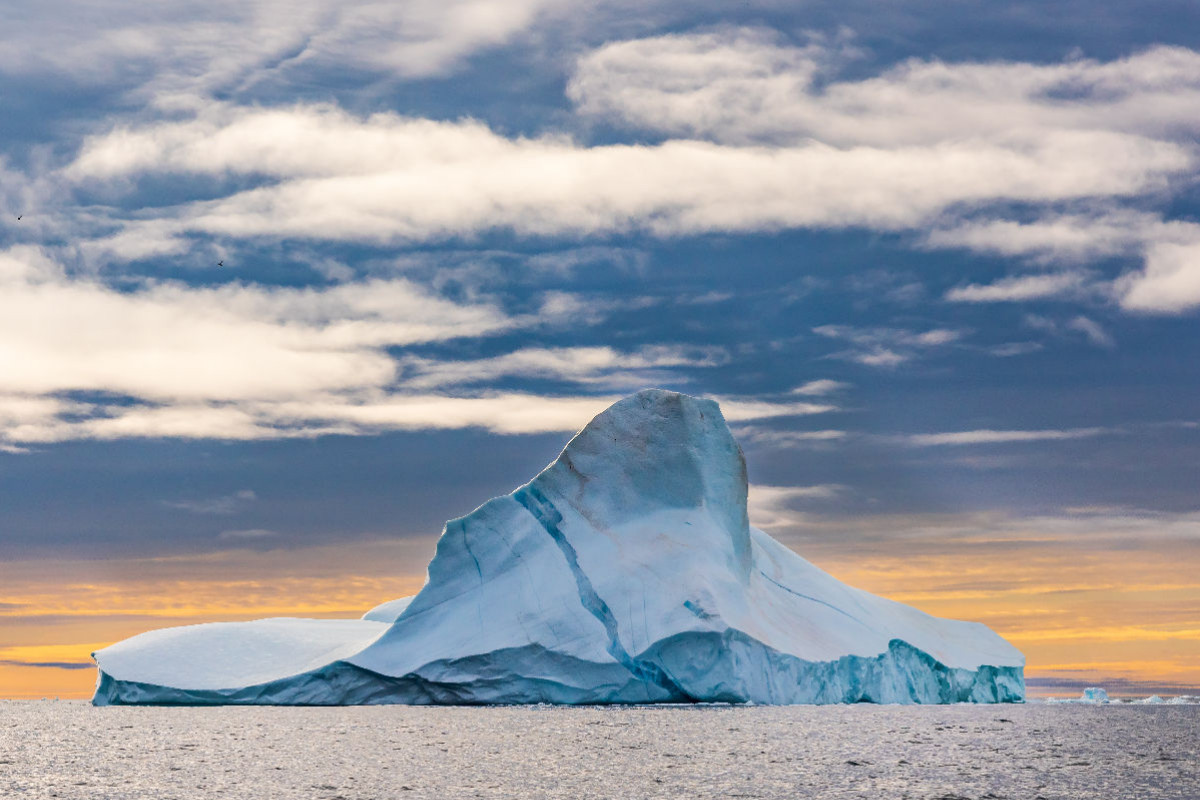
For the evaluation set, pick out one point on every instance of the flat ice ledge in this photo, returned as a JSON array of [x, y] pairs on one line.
[[221, 655]]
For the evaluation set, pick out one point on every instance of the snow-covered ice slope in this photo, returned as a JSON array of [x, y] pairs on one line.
[[389, 611], [625, 572]]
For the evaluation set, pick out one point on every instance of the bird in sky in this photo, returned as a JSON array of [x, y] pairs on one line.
[[19, 217], [221, 263]]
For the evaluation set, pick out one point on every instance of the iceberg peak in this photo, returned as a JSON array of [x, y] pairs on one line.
[[653, 451]]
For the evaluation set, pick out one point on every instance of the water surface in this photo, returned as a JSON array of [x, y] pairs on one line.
[[72, 750]]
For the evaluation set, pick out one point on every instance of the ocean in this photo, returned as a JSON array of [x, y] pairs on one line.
[[68, 749]]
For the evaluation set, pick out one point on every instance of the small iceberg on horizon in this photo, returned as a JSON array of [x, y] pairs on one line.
[[1092, 695], [1098, 696], [625, 572]]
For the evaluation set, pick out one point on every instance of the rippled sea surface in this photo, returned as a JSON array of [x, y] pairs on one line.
[[72, 750]]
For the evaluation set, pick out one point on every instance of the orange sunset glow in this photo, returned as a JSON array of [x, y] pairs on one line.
[[1130, 615]]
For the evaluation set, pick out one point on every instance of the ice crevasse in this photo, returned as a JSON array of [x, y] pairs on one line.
[[625, 572]]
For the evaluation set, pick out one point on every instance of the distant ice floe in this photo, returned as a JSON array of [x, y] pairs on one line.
[[1095, 695], [625, 572]]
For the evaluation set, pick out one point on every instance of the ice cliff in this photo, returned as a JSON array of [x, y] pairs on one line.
[[626, 572]]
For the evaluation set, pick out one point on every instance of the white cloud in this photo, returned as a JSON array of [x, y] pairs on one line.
[[388, 178], [347, 414], [737, 85], [747, 86], [821, 387], [886, 347], [743, 410], [190, 46], [773, 506], [986, 436], [223, 505], [1170, 282], [876, 357], [937, 336], [1018, 288], [1010, 349], [779, 142], [785, 438], [168, 341], [988, 533], [166, 359], [1062, 237], [1093, 330], [584, 365], [82, 360], [251, 533], [1040, 323]]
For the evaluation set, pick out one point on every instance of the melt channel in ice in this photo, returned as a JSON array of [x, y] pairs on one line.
[[626, 572]]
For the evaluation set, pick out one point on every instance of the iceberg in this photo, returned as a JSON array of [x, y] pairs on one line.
[[625, 572], [1092, 695]]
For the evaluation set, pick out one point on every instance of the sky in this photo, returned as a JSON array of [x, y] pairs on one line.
[[285, 285]]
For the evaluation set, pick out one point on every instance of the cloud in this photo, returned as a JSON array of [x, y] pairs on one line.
[[1167, 283], [785, 438], [388, 178], [749, 87], [980, 532], [879, 357], [873, 285], [886, 347], [772, 506], [191, 46], [986, 436], [775, 140], [821, 387], [744, 410], [1091, 330], [1094, 332], [1018, 288], [746, 85], [169, 341], [1170, 282], [225, 504], [48, 664], [350, 414], [937, 336], [1014, 349], [82, 360], [249, 534], [582, 365], [1073, 237]]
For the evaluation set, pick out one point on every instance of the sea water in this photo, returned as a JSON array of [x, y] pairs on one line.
[[70, 749]]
